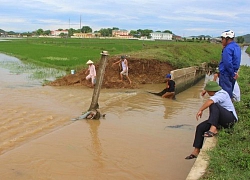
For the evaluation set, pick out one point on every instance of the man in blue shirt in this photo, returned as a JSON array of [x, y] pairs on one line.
[[221, 113], [230, 62]]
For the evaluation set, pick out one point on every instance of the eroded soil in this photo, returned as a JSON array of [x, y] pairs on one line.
[[141, 71]]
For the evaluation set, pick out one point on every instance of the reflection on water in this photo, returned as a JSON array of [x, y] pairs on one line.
[[15, 66], [96, 144], [245, 58]]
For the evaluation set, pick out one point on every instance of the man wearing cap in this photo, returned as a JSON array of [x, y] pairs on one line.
[[230, 62], [169, 91], [92, 72], [124, 72], [170, 88], [221, 113]]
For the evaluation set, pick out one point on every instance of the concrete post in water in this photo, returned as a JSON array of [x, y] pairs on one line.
[[100, 74]]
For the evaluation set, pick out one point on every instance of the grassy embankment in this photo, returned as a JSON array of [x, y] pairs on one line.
[[67, 54], [248, 50]]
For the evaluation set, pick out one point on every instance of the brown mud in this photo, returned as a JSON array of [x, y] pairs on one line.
[[142, 137], [141, 71]]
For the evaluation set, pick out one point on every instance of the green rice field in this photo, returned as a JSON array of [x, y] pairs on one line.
[[66, 54]]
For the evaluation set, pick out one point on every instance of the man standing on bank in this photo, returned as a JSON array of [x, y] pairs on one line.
[[230, 62], [124, 72], [221, 113]]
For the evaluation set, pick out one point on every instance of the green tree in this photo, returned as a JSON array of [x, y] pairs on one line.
[[39, 32], [47, 32], [63, 35], [106, 32], [71, 31], [240, 39], [145, 32], [133, 33], [86, 29], [168, 31], [2, 31], [11, 33]]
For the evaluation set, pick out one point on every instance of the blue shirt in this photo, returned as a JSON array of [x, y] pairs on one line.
[[223, 99], [230, 60]]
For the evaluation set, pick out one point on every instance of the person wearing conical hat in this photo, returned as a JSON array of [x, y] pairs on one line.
[[91, 73], [221, 114]]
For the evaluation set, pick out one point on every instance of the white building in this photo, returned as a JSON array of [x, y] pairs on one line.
[[161, 36]]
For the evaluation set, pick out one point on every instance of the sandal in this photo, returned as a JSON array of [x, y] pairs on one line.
[[191, 156], [209, 134]]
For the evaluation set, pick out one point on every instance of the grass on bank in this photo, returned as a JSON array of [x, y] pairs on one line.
[[230, 159], [67, 54]]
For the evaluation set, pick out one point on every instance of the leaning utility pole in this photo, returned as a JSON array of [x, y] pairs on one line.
[[94, 104], [100, 74]]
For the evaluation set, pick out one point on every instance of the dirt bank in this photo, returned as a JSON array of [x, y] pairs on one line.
[[141, 71]]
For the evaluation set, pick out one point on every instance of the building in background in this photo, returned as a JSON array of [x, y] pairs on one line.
[[86, 35], [121, 33], [58, 32], [161, 36]]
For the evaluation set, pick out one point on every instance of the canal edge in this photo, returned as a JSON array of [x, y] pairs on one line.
[[202, 161]]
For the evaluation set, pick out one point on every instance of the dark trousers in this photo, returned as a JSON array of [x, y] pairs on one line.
[[218, 116], [227, 84], [161, 93]]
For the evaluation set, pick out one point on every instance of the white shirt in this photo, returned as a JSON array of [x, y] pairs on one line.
[[124, 66], [92, 70], [236, 91], [223, 99]]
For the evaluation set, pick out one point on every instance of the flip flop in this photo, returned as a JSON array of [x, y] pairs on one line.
[[191, 156], [209, 134]]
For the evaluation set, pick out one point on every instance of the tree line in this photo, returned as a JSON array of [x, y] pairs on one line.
[[105, 32]]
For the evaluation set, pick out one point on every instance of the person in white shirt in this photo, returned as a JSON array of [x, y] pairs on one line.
[[221, 114], [124, 72], [92, 73]]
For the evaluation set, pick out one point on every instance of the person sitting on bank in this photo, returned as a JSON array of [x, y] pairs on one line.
[[221, 114], [170, 88]]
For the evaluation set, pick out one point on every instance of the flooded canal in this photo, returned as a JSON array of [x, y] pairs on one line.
[[142, 136]]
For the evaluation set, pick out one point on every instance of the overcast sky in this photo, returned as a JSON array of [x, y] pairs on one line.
[[182, 17]]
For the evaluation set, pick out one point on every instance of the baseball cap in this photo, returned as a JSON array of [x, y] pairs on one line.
[[168, 76]]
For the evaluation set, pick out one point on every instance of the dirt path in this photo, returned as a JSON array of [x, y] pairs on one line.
[[140, 72]]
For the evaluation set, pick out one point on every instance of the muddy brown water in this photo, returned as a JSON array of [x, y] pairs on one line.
[[142, 136]]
